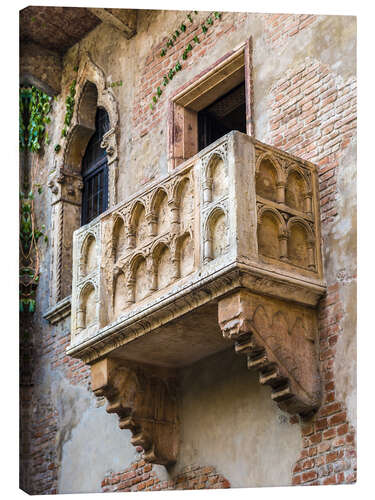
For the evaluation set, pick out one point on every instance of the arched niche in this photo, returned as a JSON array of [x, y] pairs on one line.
[[296, 190], [139, 224], [140, 277], [267, 178], [89, 257], [268, 234], [216, 241], [185, 203], [87, 314], [217, 174], [119, 295], [299, 244], [186, 254], [160, 209], [118, 238], [163, 266]]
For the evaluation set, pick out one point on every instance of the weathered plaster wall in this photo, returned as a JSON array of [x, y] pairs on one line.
[[229, 421]]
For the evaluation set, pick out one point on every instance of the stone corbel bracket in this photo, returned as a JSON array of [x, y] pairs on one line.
[[145, 401], [279, 340]]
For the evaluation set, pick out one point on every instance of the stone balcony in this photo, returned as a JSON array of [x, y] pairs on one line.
[[223, 251]]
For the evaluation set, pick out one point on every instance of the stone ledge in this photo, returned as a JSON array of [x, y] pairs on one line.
[[59, 311]]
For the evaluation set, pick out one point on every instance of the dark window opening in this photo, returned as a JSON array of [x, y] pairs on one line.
[[226, 114], [95, 171]]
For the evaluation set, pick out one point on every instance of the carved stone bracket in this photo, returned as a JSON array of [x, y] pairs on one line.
[[145, 401], [278, 339]]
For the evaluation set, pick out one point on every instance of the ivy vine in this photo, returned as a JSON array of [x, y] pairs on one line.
[[34, 107], [69, 109], [170, 43]]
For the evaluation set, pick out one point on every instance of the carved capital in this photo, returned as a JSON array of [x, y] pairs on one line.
[[146, 404], [279, 342], [65, 187]]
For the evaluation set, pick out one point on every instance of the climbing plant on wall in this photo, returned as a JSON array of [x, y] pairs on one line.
[[34, 107], [209, 21]]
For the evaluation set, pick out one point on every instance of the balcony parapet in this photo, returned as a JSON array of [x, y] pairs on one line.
[[233, 233]]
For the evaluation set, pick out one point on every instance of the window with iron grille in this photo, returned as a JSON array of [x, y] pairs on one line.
[[95, 171]]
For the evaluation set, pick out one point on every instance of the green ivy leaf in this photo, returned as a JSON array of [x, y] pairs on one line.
[[204, 28], [159, 91], [209, 20], [196, 39], [183, 27], [217, 15]]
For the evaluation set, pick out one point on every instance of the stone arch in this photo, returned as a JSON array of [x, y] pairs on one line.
[[271, 227], [215, 179], [66, 181], [269, 176], [88, 255], [159, 209], [87, 311], [138, 278], [300, 243], [138, 224], [296, 189], [119, 294], [216, 234], [185, 251], [90, 95], [184, 201], [118, 237], [164, 272]]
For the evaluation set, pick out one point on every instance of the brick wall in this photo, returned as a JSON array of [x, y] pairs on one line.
[[140, 476], [155, 66], [42, 417], [278, 28], [328, 455], [313, 115]]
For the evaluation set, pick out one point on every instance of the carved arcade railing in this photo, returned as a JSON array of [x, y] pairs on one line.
[[229, 241]]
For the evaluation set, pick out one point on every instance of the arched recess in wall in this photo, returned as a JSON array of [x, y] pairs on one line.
[[216, 235], [300, 244], [184, 198], [186, 254], [91, 93], [296, 190], [87, 312], [119, 294], [268, 177], [216, 177], [270, 227], [159, 207], [118, 238], [162, 265], [138, 224], [88, 255], [66, 180]]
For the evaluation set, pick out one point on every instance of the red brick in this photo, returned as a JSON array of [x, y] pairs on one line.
[[309, 476]]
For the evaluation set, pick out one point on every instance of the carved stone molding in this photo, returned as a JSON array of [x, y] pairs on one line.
[[146, 403], [279, 341]]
